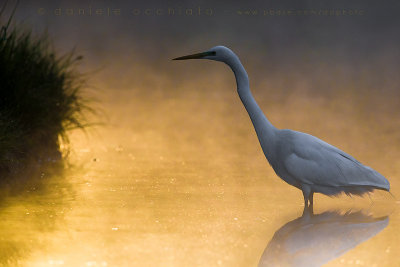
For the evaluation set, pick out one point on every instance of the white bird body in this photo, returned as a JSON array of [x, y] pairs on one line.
[[300, 159], [303, 160]]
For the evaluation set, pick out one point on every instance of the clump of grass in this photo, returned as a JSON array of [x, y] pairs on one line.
[[40, 98]]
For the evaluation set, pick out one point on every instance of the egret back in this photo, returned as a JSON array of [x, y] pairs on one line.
[[325, 168]]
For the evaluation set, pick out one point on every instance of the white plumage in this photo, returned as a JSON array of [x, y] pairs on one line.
[[300, 159]]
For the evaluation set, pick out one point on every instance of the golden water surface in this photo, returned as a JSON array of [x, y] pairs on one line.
[[178, 179]]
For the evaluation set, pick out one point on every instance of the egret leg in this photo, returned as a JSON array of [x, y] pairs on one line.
[[308, 212], [311, 198], [308, 201], [307, 194]]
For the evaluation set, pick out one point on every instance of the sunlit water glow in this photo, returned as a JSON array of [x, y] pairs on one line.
[[180, 180]]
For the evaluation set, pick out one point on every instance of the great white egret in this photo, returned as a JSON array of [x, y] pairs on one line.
[[300, 159]]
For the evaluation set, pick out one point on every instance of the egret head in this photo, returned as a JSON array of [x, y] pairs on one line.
[[217, 53]]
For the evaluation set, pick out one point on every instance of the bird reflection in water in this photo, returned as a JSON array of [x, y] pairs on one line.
[[315, 239]]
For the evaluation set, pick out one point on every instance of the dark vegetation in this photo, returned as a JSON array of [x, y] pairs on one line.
[[40, 100]]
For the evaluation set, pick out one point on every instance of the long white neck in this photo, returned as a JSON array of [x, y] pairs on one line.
[[266, 132]]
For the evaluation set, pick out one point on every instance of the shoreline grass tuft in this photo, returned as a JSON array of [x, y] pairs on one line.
[[40, 99]]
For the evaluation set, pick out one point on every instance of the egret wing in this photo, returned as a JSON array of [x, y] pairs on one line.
[[313, 161]]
